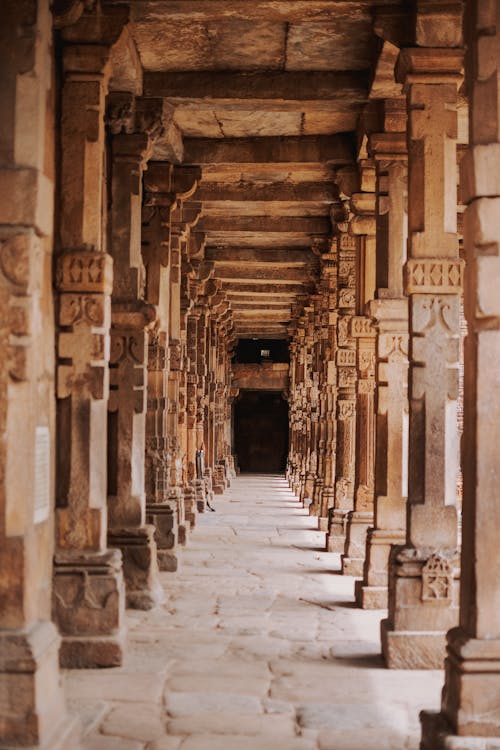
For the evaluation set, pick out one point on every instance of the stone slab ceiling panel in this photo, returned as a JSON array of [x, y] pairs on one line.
[[267, 97], [250, 36]]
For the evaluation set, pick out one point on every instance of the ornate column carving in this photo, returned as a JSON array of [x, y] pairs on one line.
[[361, 518], [134, 124], [329, 275], [423, 586], [390, 314], [161, 511], [30, 715], [312, 407], [346, 394], [362, 331], [88, 594], [321, 358], [470, 713]]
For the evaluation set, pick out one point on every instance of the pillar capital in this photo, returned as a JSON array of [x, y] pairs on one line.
[[430, 66]]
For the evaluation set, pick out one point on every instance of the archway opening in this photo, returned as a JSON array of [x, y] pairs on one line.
[[261, 431]]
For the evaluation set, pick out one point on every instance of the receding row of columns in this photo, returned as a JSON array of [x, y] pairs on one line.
[[378, 364], [137, 411]]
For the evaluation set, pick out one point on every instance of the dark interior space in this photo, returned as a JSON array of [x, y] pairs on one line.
[[255, 351], [261, 431]]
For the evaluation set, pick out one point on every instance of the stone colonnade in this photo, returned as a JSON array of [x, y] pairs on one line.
[[134, 415], [388, 394], [109, 453]]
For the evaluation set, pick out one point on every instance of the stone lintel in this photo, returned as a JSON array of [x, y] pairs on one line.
[[317, 192], [260, 10], [215, 88], [303, 224], [286, 256], [264, 272], [334, 149]]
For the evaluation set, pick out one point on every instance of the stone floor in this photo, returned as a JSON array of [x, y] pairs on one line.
[[258, 647]]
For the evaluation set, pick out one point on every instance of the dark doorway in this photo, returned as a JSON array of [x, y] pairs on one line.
[[261, 431]]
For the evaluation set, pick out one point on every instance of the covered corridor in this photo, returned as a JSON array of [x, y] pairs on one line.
[[220, 214], [258, 646]]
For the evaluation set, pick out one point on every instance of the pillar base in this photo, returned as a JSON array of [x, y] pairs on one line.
[[372, 592], [412, 650], [323, 524], [437, 734], [183, 533], [140, 565], [335, 540], [200, 494], [370, 597], [164, 518], [32, 708], [353, 559], [88, 606], [423, 606], [471, 695], [190, 511]]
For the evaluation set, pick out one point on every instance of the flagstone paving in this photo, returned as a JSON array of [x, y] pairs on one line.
[[258, 646]]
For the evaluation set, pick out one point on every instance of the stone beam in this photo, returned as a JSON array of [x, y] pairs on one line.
[[263, 10], [262, 307], [317, 192], [276, 256], [229, 209], [263, 173], [259, 288], [269, 90], [301, 224], [239, 273], [263, 239], [324, 149]]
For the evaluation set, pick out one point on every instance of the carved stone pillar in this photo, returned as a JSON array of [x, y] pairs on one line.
[[423, 585], [328, 384], [202, 372], [470, 714], [390, 314], [311, 407], [89, 596], [131, 317], [321, 358], [29, 642], [292, 414], [361, 518], [346, 395], [160, 510]]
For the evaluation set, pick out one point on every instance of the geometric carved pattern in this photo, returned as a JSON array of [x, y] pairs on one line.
[[362, 326], [437, 579], [346, 357], [84, 271], [434, 276]]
